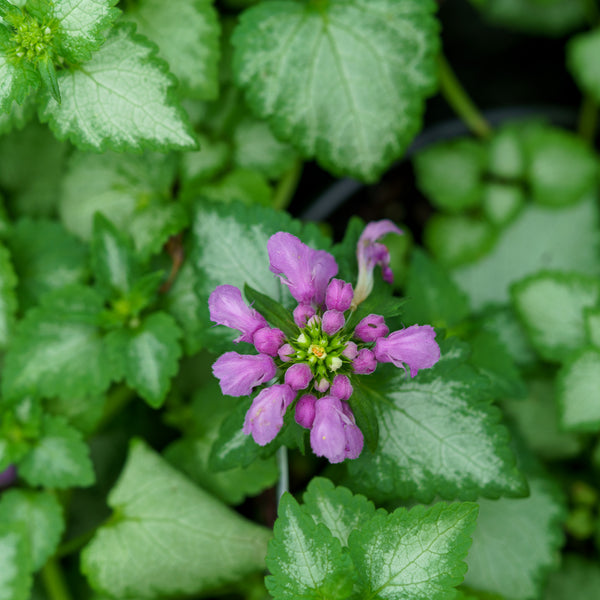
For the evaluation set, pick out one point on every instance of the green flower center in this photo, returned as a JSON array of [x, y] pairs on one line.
[[31, 39]]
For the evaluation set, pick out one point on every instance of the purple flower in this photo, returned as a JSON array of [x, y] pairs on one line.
[[370, 328], [305, 411], [350, 350], [302, 313], [305, 271], [298, 376], [339, 295], [285, 353], [264, 419], [268, 341], [239, 374], [332, 321], [8, 476], [322, 385], [334, 432], [365, 362], [341, 387], [370, 254], [414, 346], [227, 307]]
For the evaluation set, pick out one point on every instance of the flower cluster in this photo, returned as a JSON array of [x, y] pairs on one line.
[[315, 368]]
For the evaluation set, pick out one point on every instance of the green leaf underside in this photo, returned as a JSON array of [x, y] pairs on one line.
[[162, 519], [439, 435], [551, 307], [149, 355], [305, 560], [59, 459], [310, 71], [82, 25], [413, 554], [562, 239], [57, 350], [515, 543], [579, 391], [337, 508], [8, 296], [120, 99], [219, 261], [187, 35], [15, 578], [46, 258], [41, 515]]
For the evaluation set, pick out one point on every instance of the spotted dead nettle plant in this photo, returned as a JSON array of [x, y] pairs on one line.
[[314, 370]]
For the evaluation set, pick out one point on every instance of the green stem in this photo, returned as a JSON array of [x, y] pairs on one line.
[[54, 581], [287, 186], [74, 544], [459, 100], [283, 485], [588, 119]]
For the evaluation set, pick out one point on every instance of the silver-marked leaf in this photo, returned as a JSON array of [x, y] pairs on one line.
[[15, 83], [439, 435], [582, 51], [169, 537], [337, 508], [516, 542], [121, 99], [148, 355], [305, 560], [60, 458], [15, 574], [187, 35], [82, 25], [343, 80], [416, 554], [42, 517]]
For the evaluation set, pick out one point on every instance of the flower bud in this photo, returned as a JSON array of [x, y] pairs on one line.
[[286, 352], [350, 351], [268, 341], [298, 376], [341, 387], [371, 328], [322, 385], [364, 363], [333, 321], [339, 295], [305, 411], [302, 313]]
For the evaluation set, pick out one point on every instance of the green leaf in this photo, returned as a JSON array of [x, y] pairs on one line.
[[502, 203], [561, 239], [592, 326], [187, 35], [148, 355], [361, 403], [272, 311], [32, 162], [46, 258], [458, 239], [218, 261], [82, 412], [562, 168], [161, 520], [15, 578], [438, 436], [15, 82], [113, 260], [82, 26], [579, 391], [337, 508], [8, 297], [121, 100], [310, 73], [413, 554], [582, 51], [536, 418], [451, 173], [201, 166], [305, 560], [17, 117], [516, 542], [551, 305], [42, 517], [58, 350], [506, 155], [549, 17], [59, 459], [239, 185], [493, 360], [231, 486], [257, 149], [578, 579], [432, 297]]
